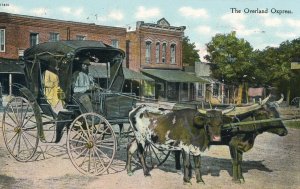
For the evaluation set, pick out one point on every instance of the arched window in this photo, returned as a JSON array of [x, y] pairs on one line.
[[148, 52], [164, 53], [157, 52], [173, 53]]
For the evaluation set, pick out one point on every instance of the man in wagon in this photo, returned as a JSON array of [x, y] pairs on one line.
[[82, 83]]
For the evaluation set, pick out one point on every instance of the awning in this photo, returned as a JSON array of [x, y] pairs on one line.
[[11, 68], [130, 74], [173, 75]]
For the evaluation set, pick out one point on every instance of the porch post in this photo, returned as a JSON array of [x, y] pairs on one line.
[[189, 94], [10, 84], [179, 91]]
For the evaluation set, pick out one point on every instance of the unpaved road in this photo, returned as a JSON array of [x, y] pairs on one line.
[[274, 162]]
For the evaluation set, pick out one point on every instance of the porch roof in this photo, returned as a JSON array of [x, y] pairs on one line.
[[130, 74], [11, 68], [173, 75]]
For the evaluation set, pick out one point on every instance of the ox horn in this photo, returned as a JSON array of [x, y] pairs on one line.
[[226, 111], [280, 100], [264, 101], [202, 111], [246, 109]]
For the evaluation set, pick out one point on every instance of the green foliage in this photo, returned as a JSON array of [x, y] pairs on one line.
[[273, 65], [189, 53], [232, 58], [236, 61]]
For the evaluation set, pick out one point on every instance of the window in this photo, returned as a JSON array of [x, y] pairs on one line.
[[80, 37], [164, 53], [200, 90], [157, 51], [34, 39], [148, 52], [173, 53], [115, 43], [54, 36], [2, 40]]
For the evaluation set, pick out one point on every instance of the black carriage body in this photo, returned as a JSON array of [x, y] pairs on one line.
[[63, 58]]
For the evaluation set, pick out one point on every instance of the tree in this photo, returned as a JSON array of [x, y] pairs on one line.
[[189, 53], [273, 66], [232, 58]]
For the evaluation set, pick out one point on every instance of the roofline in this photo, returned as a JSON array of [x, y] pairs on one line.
[[60, 21]]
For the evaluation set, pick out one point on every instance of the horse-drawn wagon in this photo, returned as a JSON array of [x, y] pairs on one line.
[[30, 114]]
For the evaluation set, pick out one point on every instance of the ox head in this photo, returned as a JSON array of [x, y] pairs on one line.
[[212, 120], [271, 109]]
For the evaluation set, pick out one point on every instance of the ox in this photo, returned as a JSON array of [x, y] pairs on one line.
[[240, 138], [186, 130]]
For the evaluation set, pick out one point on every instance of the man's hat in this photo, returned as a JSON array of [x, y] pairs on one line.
[[86, 61]]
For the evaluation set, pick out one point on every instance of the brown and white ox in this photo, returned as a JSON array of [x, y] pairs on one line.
[[187, 130], [241, 138]]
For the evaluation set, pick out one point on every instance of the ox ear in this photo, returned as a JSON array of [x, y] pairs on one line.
[[227, 119], [199, 120]]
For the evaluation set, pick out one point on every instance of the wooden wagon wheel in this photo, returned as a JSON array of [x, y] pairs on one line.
[[20, 132], [155, 157], [91, 144]]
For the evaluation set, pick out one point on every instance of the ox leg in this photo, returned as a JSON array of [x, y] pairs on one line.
[[142, 159], [197, 161], [177, 159], [236, 158], [131, 148], [186, 166], [240, 172]]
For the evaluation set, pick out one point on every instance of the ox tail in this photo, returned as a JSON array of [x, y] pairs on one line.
[[132, 118]]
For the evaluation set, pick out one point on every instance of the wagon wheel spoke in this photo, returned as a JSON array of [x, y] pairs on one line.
[[90, 151], [155, 156], [99, 158], [12, 138], [20, 139]]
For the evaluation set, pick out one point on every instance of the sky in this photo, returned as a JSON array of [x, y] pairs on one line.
[[261, 22]]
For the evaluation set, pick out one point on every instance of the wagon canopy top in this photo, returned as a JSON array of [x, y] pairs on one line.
[[65, 57], [72, 48]]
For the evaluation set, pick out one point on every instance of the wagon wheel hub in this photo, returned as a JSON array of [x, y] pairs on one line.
[[89, 144], [17, 129]]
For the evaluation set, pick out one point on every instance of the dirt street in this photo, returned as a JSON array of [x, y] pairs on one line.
[[274, 162]]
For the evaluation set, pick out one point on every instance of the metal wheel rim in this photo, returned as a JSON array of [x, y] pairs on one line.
[[91, 149], [19, 128]]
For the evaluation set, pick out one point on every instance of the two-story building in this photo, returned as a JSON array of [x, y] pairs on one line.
[[153, 63], [156, 51]]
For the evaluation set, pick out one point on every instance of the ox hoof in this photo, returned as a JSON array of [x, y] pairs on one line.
[[179, 172], [242, 180], [201, 182], [187, 183], [129, 173], [237, 181]]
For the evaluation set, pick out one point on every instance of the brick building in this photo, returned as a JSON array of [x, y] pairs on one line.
[[155, 49], [18, 32], [152, 49]]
